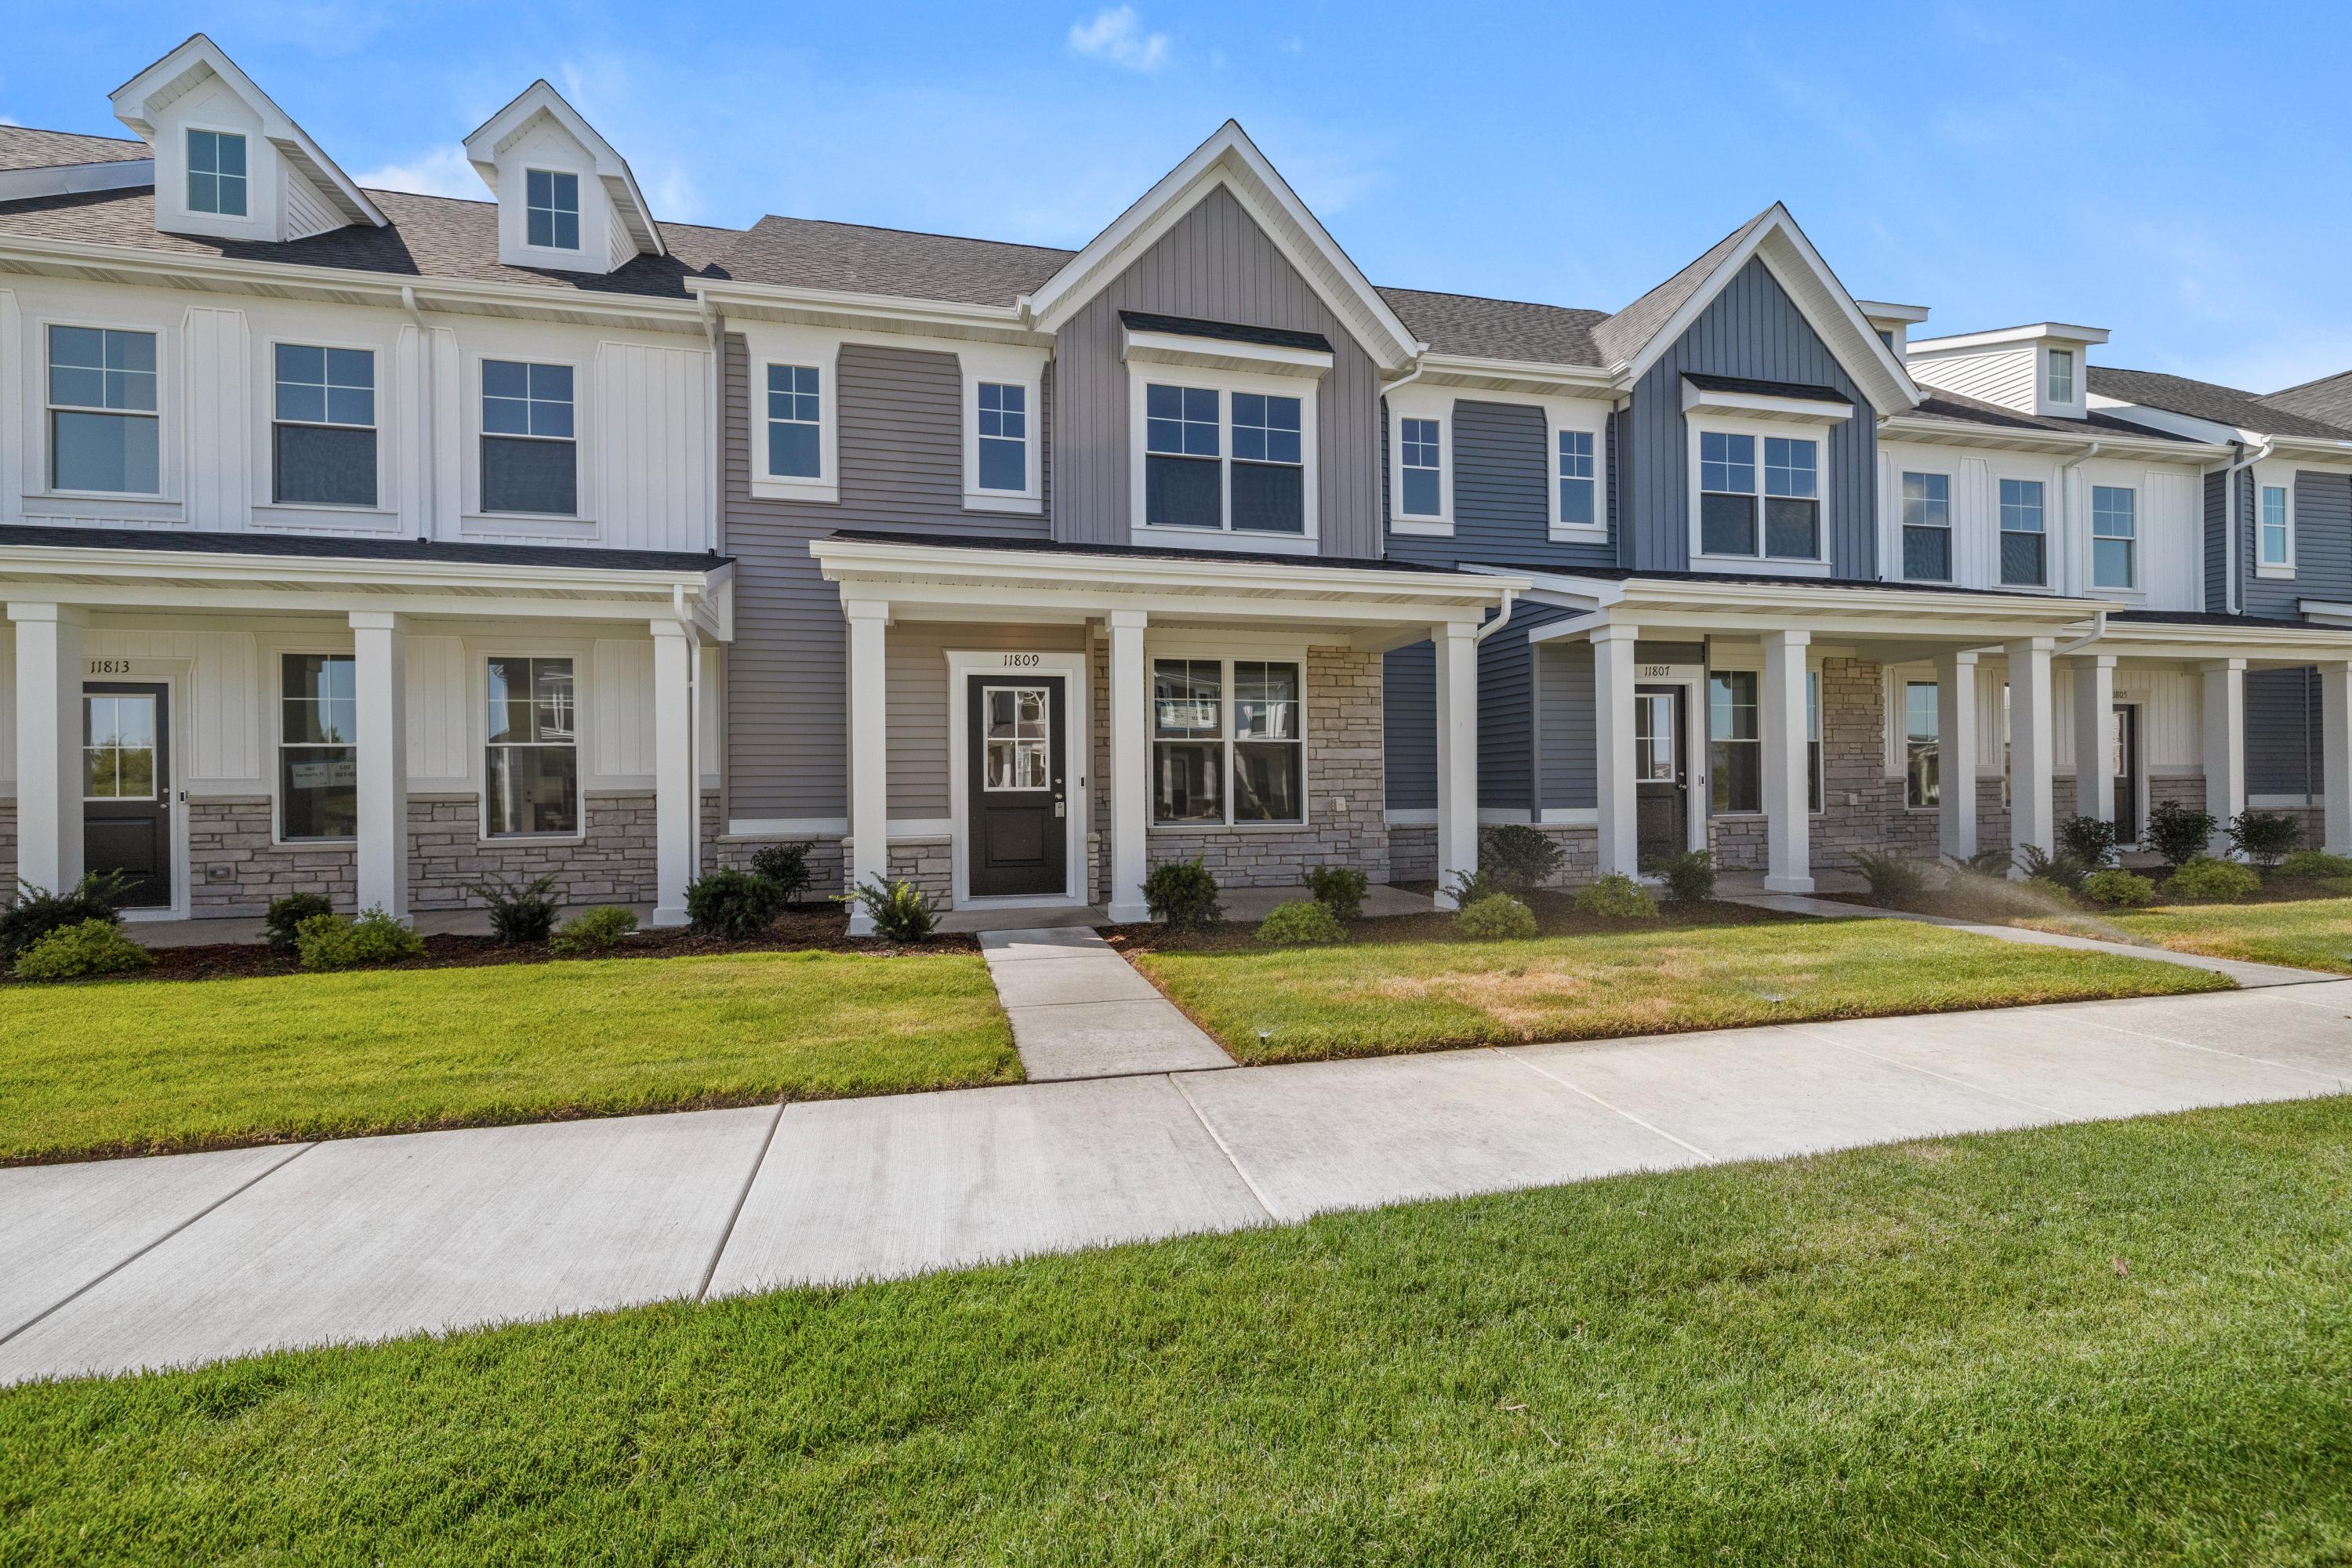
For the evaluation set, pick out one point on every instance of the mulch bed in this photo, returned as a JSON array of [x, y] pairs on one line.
[[1555, 913]]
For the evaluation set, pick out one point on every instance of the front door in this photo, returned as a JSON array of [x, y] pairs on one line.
[[2123, 742], [127, 789], [1018, 837], [1661, 778]]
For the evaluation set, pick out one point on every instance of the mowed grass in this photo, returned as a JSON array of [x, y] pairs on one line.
[[2307, 933], [1370, 997], [2118, 1343], [146, 1067]]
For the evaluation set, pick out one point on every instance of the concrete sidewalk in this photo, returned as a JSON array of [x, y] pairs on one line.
[[124, 1264]]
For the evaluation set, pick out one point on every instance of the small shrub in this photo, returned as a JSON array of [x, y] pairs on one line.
[[2119, 889], [330, 941], [34, 912], [1984, 862], [520, 913], [899, 910], [1616, 897], [2314, 866], [785, 865], [70, 953], [734, 905], [1690, 875], [1302, 922], [592, 932], [1340, 889], [1520, 859], [2202, 879], [286, 916], [1474, 887], [1497, 917], [2090, 840], [2044, 891], [1183, 895], [2265, 837], [1892, 878], [2178, 833], [2061, 869]]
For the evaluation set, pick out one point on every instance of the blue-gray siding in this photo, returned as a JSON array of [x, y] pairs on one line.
[[1564, 679], [1502, 496], [2217, 543], [2322, 546], [1408, 727]]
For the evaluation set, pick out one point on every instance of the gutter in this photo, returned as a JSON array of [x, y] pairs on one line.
[[2230, 594], [2098, 629], [1510, 602]]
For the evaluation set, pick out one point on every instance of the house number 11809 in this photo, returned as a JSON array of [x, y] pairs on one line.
[[1021, 660]]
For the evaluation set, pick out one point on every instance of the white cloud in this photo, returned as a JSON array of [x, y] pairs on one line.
[[1117, 35], [10, 119], [441, 172]]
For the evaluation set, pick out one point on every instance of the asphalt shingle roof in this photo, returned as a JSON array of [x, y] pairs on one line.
[[21, 147], [2207, 400], [808, 253], [1497, 329], [1964, 410], [2328, 399], [1623, 335]]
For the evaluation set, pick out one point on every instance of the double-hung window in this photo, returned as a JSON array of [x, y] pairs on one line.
[[552, 209], [2024, 543], [322, 433], [1003, 434], [532, 769], [1921, 733], [2115, 533], [530, 463], [317, 747], [1577, 476], [102, 425], [2277, 528], [216, 179], [1194, 479], [1780, 520], [796, 422], [1228, 742], [1268, 480], [1421, 463], [1927, 528], [2062, 375], [1735, 742]]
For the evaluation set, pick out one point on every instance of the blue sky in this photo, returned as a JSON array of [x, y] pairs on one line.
[[2180, 178]]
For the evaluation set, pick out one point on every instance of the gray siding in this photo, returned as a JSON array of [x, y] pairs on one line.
[[2217, 543], [1565, 681], [1502, 495], [1751, 328], [1215, 265], [2282, 731], [1408, 727], [902, 450], [2322, 546]]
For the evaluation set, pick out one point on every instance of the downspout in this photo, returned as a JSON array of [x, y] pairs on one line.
[[427, 473], [1510, 600], [714, 326], [2232, 595], [2098, 629], [2065, 497]]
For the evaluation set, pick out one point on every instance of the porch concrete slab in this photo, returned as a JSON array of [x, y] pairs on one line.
[[1061, 943], [373, 1238], [1084, 916], [1753, 1094], [1315, 1136], [2309, 1029], [878, 1189], [1100, 976], [63, 1226], [1110, 1040]]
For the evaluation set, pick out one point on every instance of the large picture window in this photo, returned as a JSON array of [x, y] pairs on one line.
[[1735, 742], [317, 747], [2114, 535], [1778, 520], [532, 769], [1228, 741], [1194, 476], [529, 461], [103, 432], [1927, 528], [1922, 732], [322, 434], [2024, 543]]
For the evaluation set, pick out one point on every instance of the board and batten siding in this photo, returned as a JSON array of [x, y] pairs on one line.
[[901, 459], [1216, 265], [1752, 329]]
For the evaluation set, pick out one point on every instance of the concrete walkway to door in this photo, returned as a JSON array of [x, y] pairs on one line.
[[124, 1264], [1079, 1010]]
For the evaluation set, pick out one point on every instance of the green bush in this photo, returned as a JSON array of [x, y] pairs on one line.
[[2265, 837], [1475, 887], [330, 941], [592, 932], [2063, 868], [2314, 866], [1497, 917], [734, 905], [899, 910], [785, 865], [286, 916], [1892, 878], [520, 913], [2201, 880], [1183, 895], [70, 953], [2178, 833], [2118, 889], [1302, 922], [1520, 859], [1616, 897], [1690, 875], [2091, 840], [1338, 890], [34, 912], [1994, 862]]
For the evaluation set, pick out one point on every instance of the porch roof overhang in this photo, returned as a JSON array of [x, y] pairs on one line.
[[2190, 637], [139, 570], [1831, 609]]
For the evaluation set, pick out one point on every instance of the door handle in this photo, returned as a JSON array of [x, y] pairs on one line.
[[1060, 808]]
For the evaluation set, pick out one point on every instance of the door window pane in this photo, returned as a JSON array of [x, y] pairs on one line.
[[1735, 739], [216, 173], [318, 757], [103, 434], [1016, 732], [1654, 738], [533, 767], [119, 747]]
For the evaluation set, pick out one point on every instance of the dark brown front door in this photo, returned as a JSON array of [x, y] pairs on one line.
[[126, 774], [1019, 838], [1661, 776], [2124, 744]]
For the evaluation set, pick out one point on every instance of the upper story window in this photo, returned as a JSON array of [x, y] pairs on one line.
[[103, 429], [2062, 375], [1194, 479], [552, 209], [2115, 534], [532, 766], [1779, 521], [1420, 457], [1203, 742], [322, 432], [1927, 528], [1003, 437], [530, 463], [1577, 479], [216, 175], [2277, 518], [2024, 543], [795, 422]]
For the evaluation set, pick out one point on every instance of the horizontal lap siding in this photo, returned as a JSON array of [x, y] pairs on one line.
[[1566, 682], [1409, 680], [1502, 496]]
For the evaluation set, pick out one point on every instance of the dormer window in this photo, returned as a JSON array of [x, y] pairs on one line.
[[552, 209], [2062, 375], [216, 173]]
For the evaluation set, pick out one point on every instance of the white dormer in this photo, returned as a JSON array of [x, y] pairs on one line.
[[2037, 369], [566, 200], [228, 162], [1892, 323]]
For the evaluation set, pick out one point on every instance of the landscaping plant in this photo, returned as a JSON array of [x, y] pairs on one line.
[[1993, 862], [1473, 887], [286, 916], [2202, 879], [520, 913], [330, 941], [899, 910], [2178, 833], [1616, 897], [785, 865], [2314, 866], [73, 952], [2062, 870], [1183, 895], [592, 932], [36, 912], [735, 906], [2090, 840], [1521, 859], [2265, 837], [1892, 878], [2118, 889], [1690, 875], [1302, 922], [1339, 889], [1497, 917]]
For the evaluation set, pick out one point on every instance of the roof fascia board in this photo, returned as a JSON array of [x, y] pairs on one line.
[[863, 312], [613, 171], [873, 561], [74, 179], [148, 566], [1521, 375], [1946, 433], [1222, 354], [2061, 332]]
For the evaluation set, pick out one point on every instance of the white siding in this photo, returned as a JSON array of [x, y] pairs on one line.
[[440, 746], [215, 362], [2002, 376], [8, 710], [302, 209], [622, 686], [652, 446]]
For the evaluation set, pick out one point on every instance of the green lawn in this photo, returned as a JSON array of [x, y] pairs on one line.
[[2307, 933], [142, 1066], [2118, 1343], [1370, 997]]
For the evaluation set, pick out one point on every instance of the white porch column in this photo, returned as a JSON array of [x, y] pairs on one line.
[[2225, 745], [1956, 754], [1613, 749], [869, 754], [2032, 738], [1131, 764], [2335, 754], [2094, 703], [677, 771], [380, 683], [1457, 755], [1787, 816], [48, 745]]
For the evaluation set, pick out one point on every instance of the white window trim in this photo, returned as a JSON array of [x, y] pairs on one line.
[[767, 344], [1591, 418], [188, 127], [277, 654], [587, 181], [1816, 432], [2046, 366], [1009, 366], [267, 482], [2049, 534], [1225, 652], [1225, 383], [2274, 480], [1420, 402], [479, 651], [2091, 537], [1951, 525], [166, 437], [583, 501]]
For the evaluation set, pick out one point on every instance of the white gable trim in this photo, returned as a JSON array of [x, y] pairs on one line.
[[1229, 159], [539, 99]]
